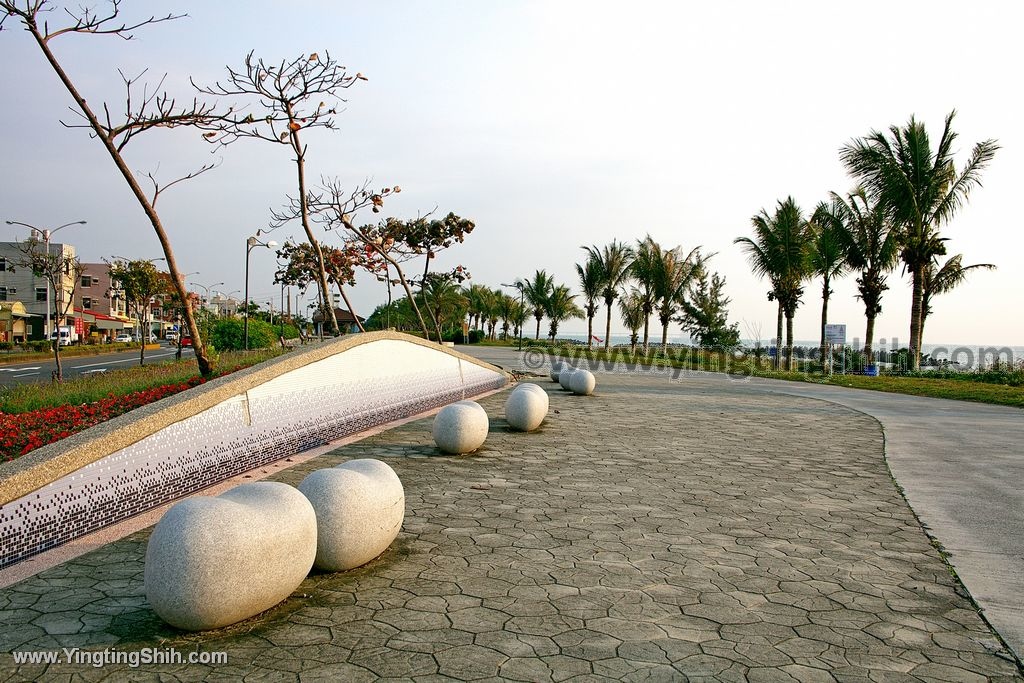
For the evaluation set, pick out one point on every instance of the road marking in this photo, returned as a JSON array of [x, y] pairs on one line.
[[123, 360], [89, 372], [26, 374], [37, 367]]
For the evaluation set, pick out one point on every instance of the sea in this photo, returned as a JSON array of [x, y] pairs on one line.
[[964, 356]]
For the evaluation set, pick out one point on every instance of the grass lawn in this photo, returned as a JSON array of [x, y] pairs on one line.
[[88, 389], [1004, 387]]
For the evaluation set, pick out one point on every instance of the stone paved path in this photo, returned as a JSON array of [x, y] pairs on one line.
[[657, 530]]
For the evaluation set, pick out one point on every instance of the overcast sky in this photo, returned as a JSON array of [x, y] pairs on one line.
[[552, 125]]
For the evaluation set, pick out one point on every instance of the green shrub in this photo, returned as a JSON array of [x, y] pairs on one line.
[[38, 345], [229, 334], [476, 336], [6, 346]]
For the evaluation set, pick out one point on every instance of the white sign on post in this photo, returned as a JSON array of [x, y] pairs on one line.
[[835, 334]]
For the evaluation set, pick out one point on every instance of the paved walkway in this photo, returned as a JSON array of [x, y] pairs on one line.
[[658, 530], [961, 466]]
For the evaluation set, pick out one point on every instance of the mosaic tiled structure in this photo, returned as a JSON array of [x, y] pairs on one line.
[[359, 388]]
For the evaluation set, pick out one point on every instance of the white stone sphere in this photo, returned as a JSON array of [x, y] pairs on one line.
[[565, 376], [525, 410], [211, 562], [534, 389], [360, 506], [460, 427], [556, 369], [582, 383]]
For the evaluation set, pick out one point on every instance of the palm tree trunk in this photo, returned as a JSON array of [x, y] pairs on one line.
[[608, 327], [824, 321], [537, 336], [789, 342], [778, 340], [869, 336], [664, 337], [647, 325], [590, 331], [915, 317]]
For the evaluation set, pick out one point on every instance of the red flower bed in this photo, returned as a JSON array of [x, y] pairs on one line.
[[24, 432]]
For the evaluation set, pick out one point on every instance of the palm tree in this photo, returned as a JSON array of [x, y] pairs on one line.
[[827, 259], [942, 279], [492, 311], [778, 251], [444, 301], [615, 259], [507, 306], [536, 293], [475, 295], [561, 306], [591, 275], [672, 276], [871, 246], [920, 190], [631, 306], [644, 270]]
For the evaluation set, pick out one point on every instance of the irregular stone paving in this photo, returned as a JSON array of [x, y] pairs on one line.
[[657, 530]]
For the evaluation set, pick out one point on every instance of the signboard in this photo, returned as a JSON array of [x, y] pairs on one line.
[[79, 326], [835, 334]]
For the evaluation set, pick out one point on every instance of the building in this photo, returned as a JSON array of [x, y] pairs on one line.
[[18, 284], [14, 322], [346, 320], [95, 293], [224, 306]]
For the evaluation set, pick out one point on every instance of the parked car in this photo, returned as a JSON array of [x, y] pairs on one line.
[[186, 340], [124, 338]]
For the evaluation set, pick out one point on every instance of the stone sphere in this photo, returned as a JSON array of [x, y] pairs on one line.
[[556, 369], [211, 562], [360, 506], [525, 410], [582, 383], [565, 376], [534, 389], [460, 427]]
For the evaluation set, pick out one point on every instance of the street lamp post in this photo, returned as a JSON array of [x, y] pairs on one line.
[[519, 286], [251, 244], [207, 290], [45, 234]]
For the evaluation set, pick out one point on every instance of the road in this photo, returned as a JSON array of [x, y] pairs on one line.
[[960, 465], [40, 370]]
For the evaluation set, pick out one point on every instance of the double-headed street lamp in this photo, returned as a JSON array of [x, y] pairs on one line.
[[251, 244], [45, 234], [522, 296]]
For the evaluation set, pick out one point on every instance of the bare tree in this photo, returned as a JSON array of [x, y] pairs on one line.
[[290, 97], [145, 109], [56, 269]]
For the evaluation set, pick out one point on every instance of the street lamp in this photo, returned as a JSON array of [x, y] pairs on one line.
[[45, 234], [519, 286], [251, 244], [207, 290]]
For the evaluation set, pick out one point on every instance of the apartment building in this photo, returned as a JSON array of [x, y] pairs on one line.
[[18, 284]]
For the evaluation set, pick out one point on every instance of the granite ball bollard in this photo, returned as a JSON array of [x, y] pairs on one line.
[[556, 369], [582, 383], [460, 427], [359, 507], [534, 389], [565, 376], [525, 410], [211, 562]]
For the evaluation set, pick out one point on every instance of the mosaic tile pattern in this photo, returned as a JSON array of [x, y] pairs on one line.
[[363, 387]]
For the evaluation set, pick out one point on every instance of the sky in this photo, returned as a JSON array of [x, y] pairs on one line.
[[551, 124]]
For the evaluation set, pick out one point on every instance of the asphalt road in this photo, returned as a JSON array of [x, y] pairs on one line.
[[41, 371]]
